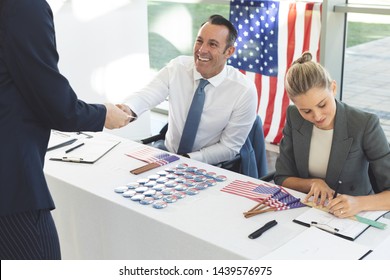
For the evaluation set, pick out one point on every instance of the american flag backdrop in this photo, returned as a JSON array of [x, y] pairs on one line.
[[271, 35]]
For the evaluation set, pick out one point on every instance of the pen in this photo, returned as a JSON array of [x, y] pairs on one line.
[[71, 141], [325, 227], [337, 189], [74, 148], [263, 229]]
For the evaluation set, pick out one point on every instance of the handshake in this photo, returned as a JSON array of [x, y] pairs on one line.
[[118, 116]]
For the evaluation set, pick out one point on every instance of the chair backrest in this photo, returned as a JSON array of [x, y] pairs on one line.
[[253, 153]]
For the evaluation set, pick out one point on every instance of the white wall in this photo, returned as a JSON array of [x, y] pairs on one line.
[[103, 47]]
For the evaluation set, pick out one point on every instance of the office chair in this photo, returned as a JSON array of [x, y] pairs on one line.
[[251, 160]]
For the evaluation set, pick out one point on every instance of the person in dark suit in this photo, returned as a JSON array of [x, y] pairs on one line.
[[34, 98], [328, 146]]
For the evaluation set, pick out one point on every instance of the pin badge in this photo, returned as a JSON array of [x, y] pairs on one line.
[[159, 204], [129, 193], [146, 201], [141, 189], [121, 189], [170, 198], [132, 185], [149, 192], [137, 197]]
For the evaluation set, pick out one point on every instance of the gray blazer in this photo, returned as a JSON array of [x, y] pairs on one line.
[[358, 140]]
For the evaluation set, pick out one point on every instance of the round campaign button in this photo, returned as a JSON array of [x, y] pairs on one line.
[[141, 189], [191, 169], [170, 170], [170, 198], [162, 173], [168, 191], [159, 204], [159, 187], [211, 182], [150, 184], [182, 166], [158, 195], [192, 191], [220, 178], [171, 176], [132, 185], [179, 172], [162, 180], [137, 197], [149, 192], [188, 175], [121, 189], [180, 195], [201, 172], [199, 178], [129, 193], [211, 174], [143, 181], [180, 180], [154, 177], [181, 187], [170, 184], [190, 183], [201, 186], [147, 200]]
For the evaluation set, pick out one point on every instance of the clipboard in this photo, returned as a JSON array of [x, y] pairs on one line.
[[92, 150], [346, 228]]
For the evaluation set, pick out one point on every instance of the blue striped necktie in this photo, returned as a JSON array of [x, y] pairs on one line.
[[193, 119]]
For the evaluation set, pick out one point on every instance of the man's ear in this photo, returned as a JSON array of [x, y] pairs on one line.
[[229, 51]]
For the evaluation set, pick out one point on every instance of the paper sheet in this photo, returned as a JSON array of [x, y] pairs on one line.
[[316, 244]]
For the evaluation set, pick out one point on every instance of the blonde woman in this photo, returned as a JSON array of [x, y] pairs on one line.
[[328, 146]]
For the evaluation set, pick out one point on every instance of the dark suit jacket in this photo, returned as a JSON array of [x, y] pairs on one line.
[[253, 154], [34, 97], [358, 140]]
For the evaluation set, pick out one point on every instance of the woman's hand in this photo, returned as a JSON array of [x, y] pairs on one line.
[[344, 206], [320, 191]]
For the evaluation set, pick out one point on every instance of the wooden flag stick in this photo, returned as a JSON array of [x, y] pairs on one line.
[[256, 212]]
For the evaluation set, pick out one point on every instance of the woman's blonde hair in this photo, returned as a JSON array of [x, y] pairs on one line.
[[305, 74]]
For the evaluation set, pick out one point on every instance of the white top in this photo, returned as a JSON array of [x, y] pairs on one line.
[[320, 145], [228, 114]]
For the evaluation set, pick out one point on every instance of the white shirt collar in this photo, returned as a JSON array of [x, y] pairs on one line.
[[216, 80]]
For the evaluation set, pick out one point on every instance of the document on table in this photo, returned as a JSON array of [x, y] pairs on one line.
[[316, 244], [90, 151], [346, 228], [381, 251]]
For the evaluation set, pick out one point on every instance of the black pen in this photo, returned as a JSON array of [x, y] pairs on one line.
[[337, 189], [74, 148], [71, 141], [263, 229]]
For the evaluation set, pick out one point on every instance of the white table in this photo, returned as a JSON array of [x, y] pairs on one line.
[[94, 222]]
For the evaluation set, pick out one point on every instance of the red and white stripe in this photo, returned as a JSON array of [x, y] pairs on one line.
[[299, 31]]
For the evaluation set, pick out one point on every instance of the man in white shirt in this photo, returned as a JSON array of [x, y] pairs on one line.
[[230, 97]]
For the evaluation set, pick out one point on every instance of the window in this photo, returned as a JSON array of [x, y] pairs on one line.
[[367, 64], [174, 25]]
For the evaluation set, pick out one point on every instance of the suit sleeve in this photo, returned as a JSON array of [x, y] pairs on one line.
[[285, 164], [31, 58], [377, 150]]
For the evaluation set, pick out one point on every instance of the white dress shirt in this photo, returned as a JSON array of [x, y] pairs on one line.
[[228, 114]]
